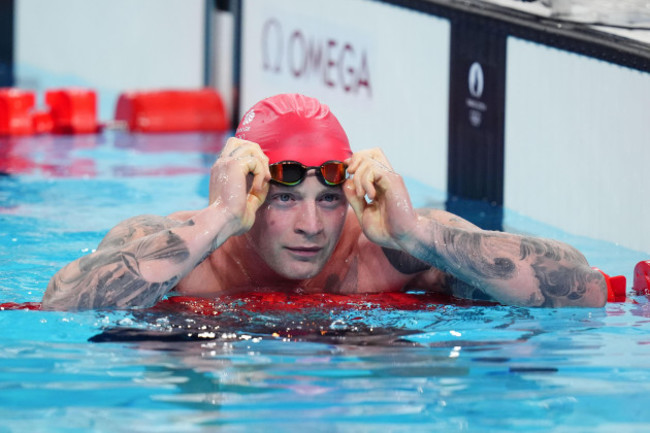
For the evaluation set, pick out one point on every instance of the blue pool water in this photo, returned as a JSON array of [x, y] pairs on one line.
[[440, 368]]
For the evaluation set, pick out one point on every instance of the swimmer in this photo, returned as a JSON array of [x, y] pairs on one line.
[[292, 209]]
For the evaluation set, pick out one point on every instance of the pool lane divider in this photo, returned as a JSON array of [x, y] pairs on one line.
[[642, 278], [172, 111], [615, 287], [70, 111], [20, 306], [261, 302], [280, 301], [74, 111]]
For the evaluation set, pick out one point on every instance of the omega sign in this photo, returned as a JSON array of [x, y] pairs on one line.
[[333, 62]]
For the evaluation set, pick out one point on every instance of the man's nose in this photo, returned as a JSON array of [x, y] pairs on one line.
[[308, 219]]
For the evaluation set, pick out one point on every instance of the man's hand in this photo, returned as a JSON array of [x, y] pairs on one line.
[[388, 217], [239, 182]]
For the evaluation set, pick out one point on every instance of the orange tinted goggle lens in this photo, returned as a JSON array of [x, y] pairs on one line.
[[291, 173]]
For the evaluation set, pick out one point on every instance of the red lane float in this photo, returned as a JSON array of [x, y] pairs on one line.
[[642, 278], [20, 306], [15, 111], [73, 111], [172, 111], [615, 287], [279, 301], [42, 122]]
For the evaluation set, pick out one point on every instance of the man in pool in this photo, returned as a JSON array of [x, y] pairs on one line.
[[278, 219]]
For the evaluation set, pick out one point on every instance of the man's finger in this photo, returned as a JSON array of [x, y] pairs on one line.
[[357, 202], [237, 148], [260, 170], [358, 178], [371, 178], [353, 163], [256, 198], [370, 182]]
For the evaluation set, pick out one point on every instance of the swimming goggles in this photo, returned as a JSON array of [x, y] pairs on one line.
[[290, 173]]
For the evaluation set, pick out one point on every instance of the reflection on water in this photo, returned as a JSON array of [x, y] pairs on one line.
[[477, 368], [482, 368]]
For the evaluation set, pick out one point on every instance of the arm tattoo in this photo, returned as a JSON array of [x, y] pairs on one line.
[[532, 246], [468, 250], [559, 283], [405, 263], [555, 269], [112, 277], [559, 270], [536, 247], [138, 227]]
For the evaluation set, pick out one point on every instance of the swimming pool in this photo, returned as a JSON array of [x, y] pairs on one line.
[[339, 368]]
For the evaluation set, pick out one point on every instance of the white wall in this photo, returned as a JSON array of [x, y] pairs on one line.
[[222, 69], [383, 70], [109, 45], [577, 143]]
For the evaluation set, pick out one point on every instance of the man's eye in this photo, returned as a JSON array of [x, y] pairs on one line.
[[283, 197], [330, 197]]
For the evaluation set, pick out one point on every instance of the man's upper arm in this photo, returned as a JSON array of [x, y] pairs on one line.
[[135, 228]]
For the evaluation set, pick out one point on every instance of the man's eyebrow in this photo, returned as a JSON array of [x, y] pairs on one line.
[[280, 187], [284, 189], [333, 189]]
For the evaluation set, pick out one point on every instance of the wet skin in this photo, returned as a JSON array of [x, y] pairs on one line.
[[297, 228], [258, 234]]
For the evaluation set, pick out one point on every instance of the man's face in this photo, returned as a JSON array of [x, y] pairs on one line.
[[298, 227]]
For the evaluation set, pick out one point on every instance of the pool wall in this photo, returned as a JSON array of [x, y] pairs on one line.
[[6, 43], [487, 100], [110, 45]]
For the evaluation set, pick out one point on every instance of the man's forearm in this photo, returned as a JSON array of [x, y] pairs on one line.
[[137, 274], [511, 269]]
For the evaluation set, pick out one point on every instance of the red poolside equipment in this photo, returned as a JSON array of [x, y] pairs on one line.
[[642, 278], [73, 111], [42, 122], [15, 107], [172, 111], [615, 287]]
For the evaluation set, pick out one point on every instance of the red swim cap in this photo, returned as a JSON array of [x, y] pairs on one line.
[[292, 127]]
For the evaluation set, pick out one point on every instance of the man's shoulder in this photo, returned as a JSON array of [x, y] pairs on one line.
[[385, 268], [389, 259]]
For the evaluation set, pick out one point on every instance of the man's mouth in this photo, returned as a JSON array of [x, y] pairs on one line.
[[304, 252]]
